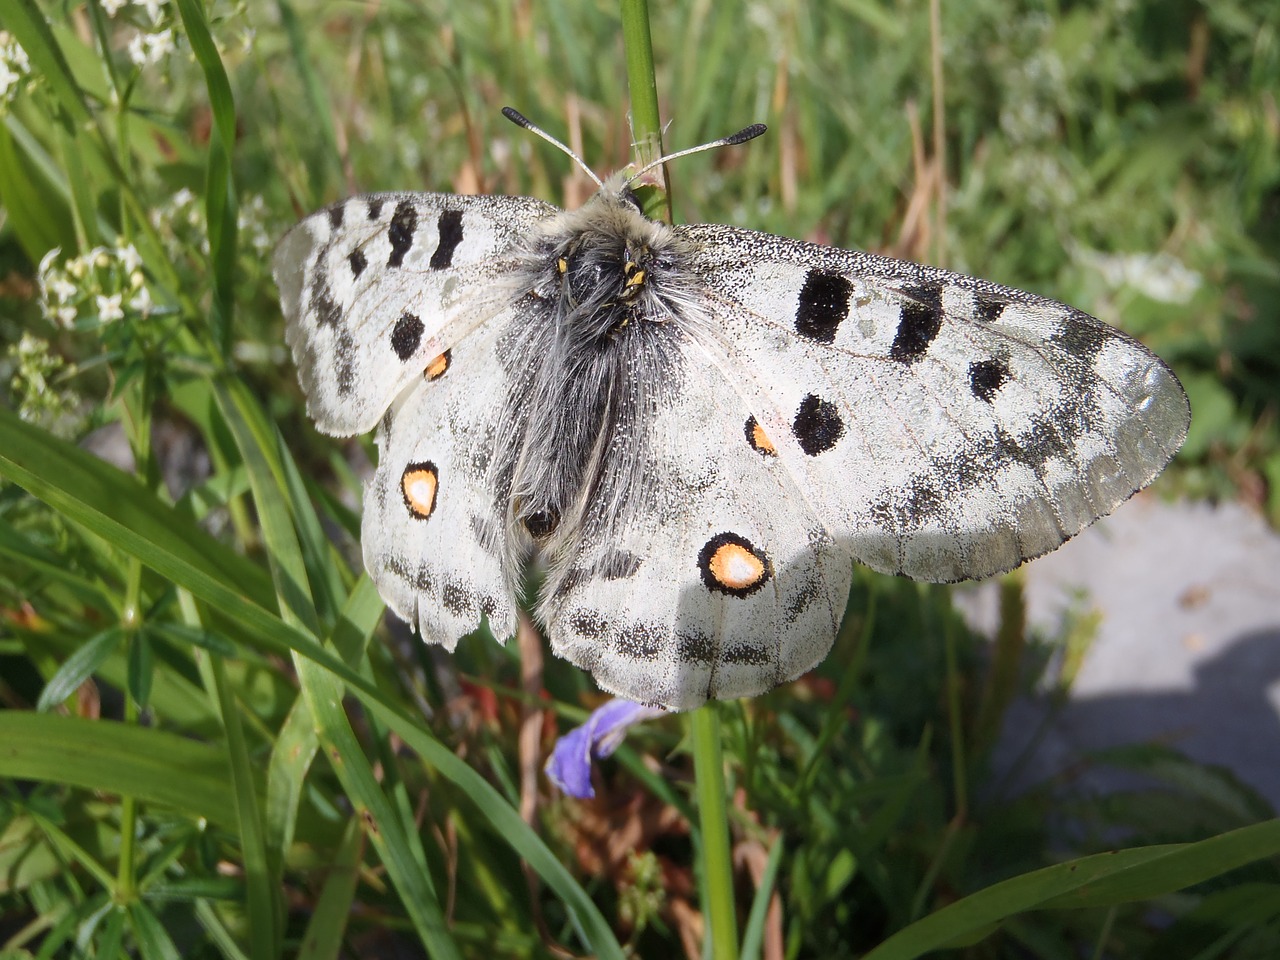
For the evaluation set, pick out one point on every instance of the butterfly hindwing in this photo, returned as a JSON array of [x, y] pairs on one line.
[[431, 533], [724, 585], [374, 287], [946, 427]]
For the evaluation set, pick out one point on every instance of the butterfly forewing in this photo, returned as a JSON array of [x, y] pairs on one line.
[[376, 286], [944, 427]]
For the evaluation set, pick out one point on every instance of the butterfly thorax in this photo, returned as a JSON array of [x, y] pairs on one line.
[[610, 303]]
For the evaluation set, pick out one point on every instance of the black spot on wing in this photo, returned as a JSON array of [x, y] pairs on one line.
[[358, 262], [817, 425], [589, 624], [746, 655], [1081, 335], [335, 215], [406, 335], [641, 641], [457, 597], [823, 305], [345, 354], [403, 224], [987, 307], [919, 324], [695, 647], [986, 377], [419, 576], [374, 208], [325, 308], [449, 226]]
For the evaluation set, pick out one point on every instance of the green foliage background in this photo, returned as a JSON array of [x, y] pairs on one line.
[[179, 775]]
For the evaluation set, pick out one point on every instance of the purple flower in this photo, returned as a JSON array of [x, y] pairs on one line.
[[569, 765]]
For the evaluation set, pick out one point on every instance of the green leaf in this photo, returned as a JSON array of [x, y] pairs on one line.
[[220, 191], [1100, 880], [100, 755], [141, 668], [25, 21], [323, 938], [79, 667], [154, 942], [119, 509]]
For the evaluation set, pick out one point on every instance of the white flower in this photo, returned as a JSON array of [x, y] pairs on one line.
[[183, 197], [63, 290], [109, 307], [141, 302], [160, 45], [66, 316], [129, 258], [148, 48], [152, 8], [137, 53], [112, 7]]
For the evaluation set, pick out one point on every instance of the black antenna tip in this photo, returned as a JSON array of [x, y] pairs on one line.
[[745, 134], [516, 117]]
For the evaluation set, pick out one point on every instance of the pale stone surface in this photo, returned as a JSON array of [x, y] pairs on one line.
[[1188, 649]]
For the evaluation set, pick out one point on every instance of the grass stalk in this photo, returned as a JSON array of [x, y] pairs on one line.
[[717, 865]]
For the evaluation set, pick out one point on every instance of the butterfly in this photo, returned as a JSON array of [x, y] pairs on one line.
[[696, 430]]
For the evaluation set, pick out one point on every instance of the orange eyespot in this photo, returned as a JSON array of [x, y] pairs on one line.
[[419, 484]]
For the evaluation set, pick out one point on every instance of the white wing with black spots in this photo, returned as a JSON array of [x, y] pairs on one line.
[[947, 427], [374, 287], [431, 532]]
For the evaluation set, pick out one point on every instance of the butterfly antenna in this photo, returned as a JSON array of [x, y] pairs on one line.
[[742, 136], [520, 120]]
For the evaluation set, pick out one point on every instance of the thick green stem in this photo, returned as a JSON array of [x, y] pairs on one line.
[[717, 861]]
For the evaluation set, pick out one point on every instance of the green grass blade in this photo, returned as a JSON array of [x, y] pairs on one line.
[[323, 693], [220, 191], [323, 938], [753, 932], [1098, 880], [262, 888], [114, 506], [119, 758]]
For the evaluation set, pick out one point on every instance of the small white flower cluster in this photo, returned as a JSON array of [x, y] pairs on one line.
[[180, 221], [146, 49], [105, 282], [252, 223], [152, 7], [151, 44], [34, 371], [14, 67]]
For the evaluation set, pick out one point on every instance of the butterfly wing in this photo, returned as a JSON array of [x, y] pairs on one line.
[[724, 584], [375, 287], [944, 427]]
